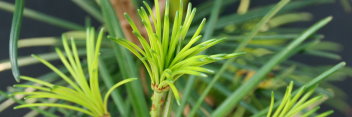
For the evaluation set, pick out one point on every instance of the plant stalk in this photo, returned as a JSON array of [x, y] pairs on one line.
[[157, 103]]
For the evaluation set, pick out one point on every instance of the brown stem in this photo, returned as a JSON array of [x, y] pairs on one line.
[[126, 6]]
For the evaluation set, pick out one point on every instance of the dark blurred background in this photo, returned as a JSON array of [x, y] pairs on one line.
[[339, 30]]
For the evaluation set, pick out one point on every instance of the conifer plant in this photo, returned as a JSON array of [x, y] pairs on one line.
[[164, 59], [166, 54], [85, 93]]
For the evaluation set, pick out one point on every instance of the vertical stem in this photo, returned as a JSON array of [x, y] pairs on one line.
[[157, 103], [127, 6], [243, 8]]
